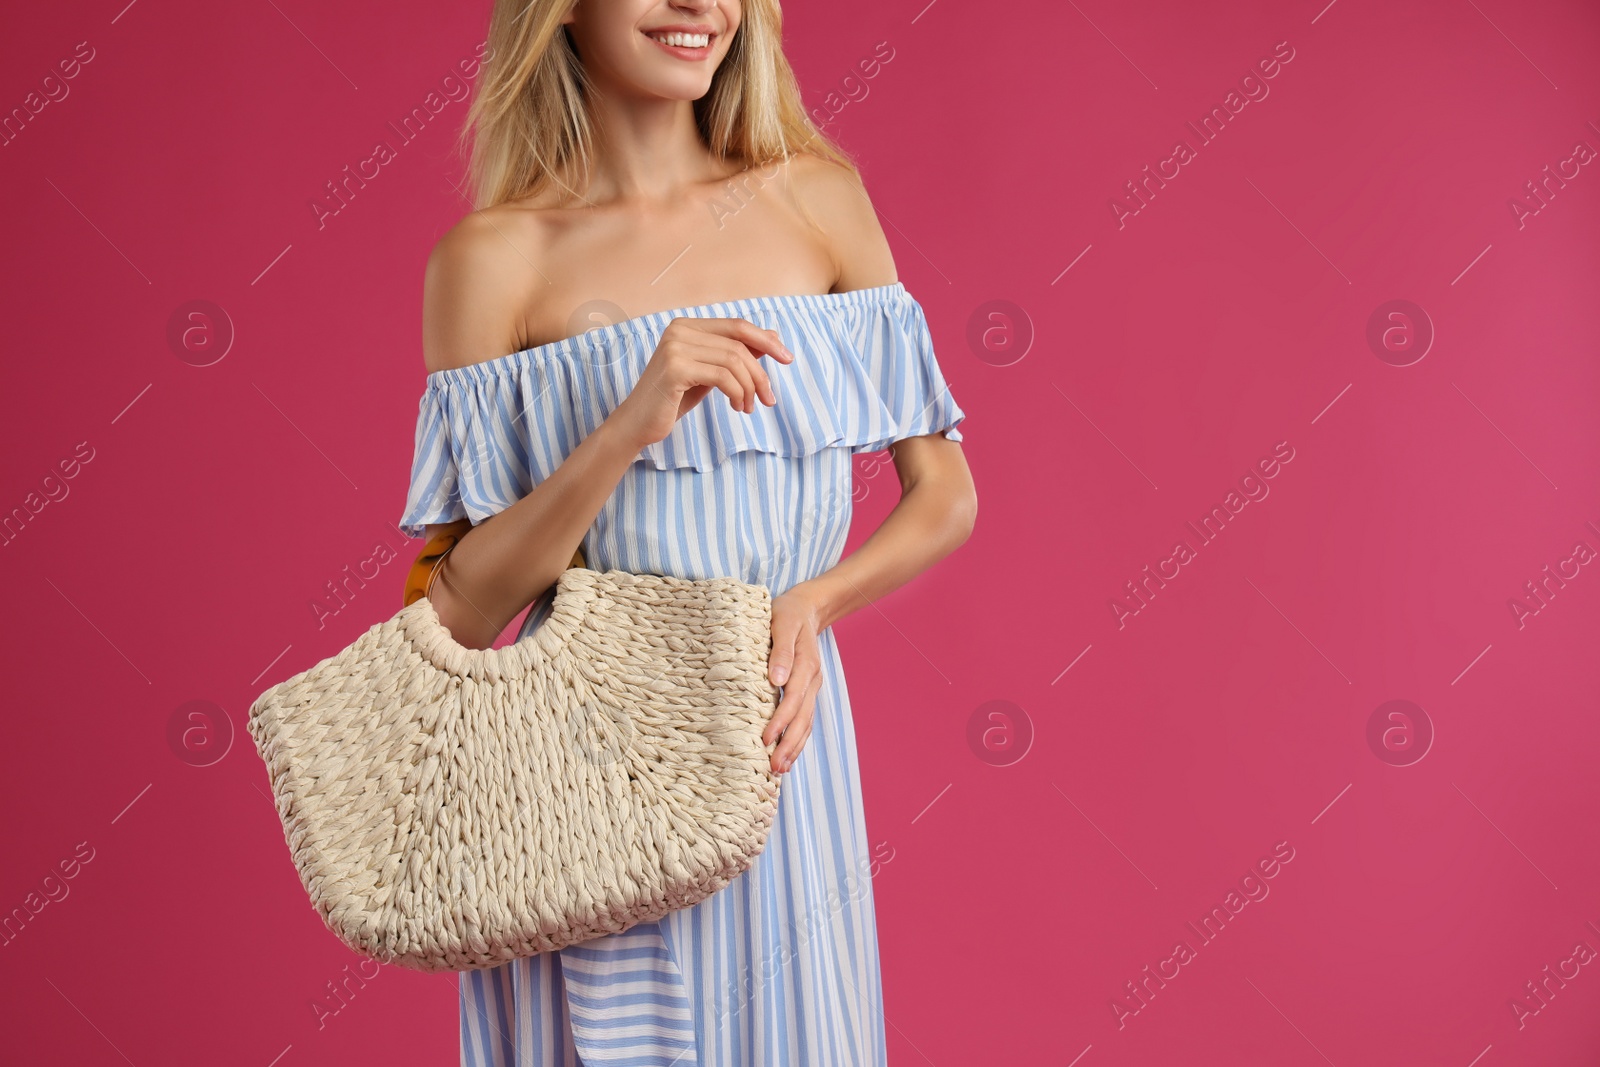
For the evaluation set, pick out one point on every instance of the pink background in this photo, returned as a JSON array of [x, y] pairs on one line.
[[1230, 313]]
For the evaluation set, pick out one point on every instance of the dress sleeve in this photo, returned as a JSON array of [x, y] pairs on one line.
[[435, 493], [900, 362]]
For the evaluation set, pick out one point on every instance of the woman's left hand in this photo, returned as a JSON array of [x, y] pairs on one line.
[[795, 663]]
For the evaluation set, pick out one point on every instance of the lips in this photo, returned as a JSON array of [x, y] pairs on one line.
[[685, 41]]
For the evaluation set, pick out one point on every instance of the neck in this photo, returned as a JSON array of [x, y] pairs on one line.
[[646, 150]]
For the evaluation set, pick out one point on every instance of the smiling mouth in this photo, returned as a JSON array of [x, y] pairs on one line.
[[684, 45]]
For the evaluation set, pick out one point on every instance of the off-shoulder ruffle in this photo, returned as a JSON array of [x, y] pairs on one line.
[[864, 375]]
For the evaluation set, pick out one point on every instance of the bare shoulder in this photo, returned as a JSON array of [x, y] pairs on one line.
[[835, 201], [476, 285]]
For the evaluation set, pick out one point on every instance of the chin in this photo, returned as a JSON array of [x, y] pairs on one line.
[[681, 87]]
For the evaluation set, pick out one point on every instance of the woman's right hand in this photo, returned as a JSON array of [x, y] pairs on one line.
[[694, 357]]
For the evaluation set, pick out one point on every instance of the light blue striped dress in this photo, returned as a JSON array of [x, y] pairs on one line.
[[781, 966]]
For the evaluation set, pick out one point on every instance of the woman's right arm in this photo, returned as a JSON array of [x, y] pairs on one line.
[[508, 560], [472, 288], [472, 294]]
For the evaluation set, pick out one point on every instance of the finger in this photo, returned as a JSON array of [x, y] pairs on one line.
[[747, 332], [704, 372], [789, 707], [803, 683], [722, 355], [780, 670], [780, 661], [798, 734], [751, 359], [738, 357], [799, 731], [799, 728], [750, 362]]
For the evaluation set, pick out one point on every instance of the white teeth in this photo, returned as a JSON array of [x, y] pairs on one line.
[[683, 40]]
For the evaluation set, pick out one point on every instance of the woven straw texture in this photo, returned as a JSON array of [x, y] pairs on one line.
[[451, 808]]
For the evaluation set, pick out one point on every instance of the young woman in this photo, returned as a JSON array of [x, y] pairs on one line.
[[647, 165]]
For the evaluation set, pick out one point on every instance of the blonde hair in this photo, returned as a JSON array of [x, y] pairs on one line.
[[529, 120]]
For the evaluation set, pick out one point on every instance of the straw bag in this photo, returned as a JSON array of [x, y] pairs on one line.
[[451, 808]]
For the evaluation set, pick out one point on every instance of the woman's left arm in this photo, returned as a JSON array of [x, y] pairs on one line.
[[936, 512], [937, 509]]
